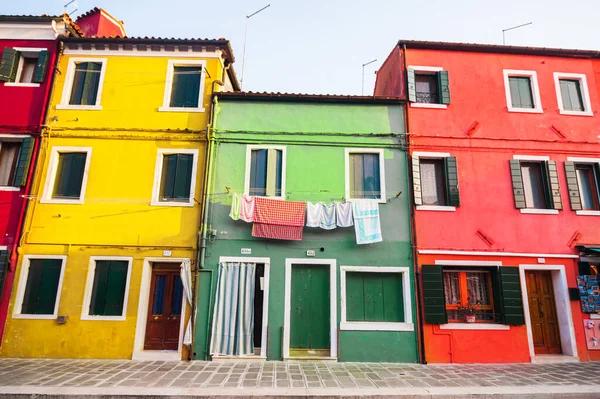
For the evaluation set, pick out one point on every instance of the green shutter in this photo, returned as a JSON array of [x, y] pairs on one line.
[[553, 185], [412, 85], [4, 259], [41, 287], [517, 183], [433, 294], [69, 176], [451, 171], [416, 174], [9, 64], [23, 161], [573, 186], [497, 295], [115, 291], [40, 68], [393, 298], [512, 300], [98, 298], [183, 177], [444, 87], [355, 301]]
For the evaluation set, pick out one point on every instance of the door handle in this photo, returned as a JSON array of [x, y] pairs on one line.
[[541, 308]]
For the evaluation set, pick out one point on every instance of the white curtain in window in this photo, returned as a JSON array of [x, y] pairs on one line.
[[8, 155], [186, 281], [429, 183]]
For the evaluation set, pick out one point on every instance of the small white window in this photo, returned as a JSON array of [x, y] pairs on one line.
[[428, 87], [365, 174], [83, 84], [175, 177], [522, 91], [67, 176], [40, 286], [107, 288], [184, 86], [572, 94], [375, 298], [265, 171]]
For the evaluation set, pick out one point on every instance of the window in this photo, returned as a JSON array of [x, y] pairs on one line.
[[435, 179], [583, 182], [184, 86], [522, 91], [468, 292], [572, 94], [38, 293], [365, 174], [83, 84], [535, 184], [376, 298], [265, 171], [9, 152], [23, 66], [107, 288], [67, 175], [175, 178], [428, 87]]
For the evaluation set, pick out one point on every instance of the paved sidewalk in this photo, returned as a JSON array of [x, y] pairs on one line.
[[106, 378]]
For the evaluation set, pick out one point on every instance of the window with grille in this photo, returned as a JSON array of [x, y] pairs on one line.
[[468, 289]]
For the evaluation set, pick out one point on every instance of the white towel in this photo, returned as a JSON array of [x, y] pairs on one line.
[[235, 206], [343, 214], [366, 221], [313, 214], [247, 208], [327, 217]]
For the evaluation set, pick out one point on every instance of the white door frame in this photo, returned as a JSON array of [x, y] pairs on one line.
[[140, 330], [563, 308], [332, 302]]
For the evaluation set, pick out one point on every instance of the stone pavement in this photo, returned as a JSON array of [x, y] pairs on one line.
[[121, 378]]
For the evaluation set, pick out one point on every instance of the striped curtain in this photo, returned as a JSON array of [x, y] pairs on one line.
[[233, 318]]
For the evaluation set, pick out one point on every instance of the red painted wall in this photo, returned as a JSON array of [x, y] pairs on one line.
[[389, 82], [99, 25]]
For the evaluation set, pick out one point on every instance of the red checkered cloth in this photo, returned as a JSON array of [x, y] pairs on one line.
[[277, 219]]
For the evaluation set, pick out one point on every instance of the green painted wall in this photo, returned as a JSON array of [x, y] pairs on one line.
[[315, 136]]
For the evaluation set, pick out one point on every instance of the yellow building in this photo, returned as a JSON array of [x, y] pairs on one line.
[[112, 226]]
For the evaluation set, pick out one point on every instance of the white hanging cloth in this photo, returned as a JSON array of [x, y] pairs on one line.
[[186, 282]]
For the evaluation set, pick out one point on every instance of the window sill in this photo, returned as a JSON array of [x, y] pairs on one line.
[[80, 107], [103, 318], [172, 109], [474, 326], [217, 358], [379, 200], [61, 201], [179, 204], [576, 113], [442, 208], [428, 105], [526, 110], [540, 211], [370, 326], [14, 84], [9, 188], [588, 213], [34, 316]]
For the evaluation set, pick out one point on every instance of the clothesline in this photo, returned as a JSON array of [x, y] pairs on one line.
[[342, 196]]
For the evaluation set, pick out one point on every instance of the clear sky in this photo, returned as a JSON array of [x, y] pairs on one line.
[[318, 46]]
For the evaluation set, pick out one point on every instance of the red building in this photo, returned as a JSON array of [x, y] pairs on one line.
[[505, 152]]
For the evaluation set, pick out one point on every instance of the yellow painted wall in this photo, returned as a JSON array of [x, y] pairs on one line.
[[116, 218]]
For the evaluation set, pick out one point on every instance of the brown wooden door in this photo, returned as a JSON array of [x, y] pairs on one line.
[[542, 311], [164, 308]]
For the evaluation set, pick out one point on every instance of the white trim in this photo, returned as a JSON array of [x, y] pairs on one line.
[[407, 325], [535, 211], [10, 188], [584, 160], [3, 247], [53, 168], [382, 199], [535, 90], [23, 282], [144, 53], [283, 150], [89, 287], [31, 31], [428, 105], [484, 253], [444, 262], [531, 157], [265, 315], [66, 94], [443, 208], [595, 316], [585, 94], [158, 175], [332, 302], [142, 315], [474, 326], [587, 213], [169, 86], [430, 154], [426, 68], [563, 308], [15, 84]]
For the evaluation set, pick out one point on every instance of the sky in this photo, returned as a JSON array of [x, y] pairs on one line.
[[319, 46]]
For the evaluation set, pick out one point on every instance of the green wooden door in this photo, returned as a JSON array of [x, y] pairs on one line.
[[310, 307]]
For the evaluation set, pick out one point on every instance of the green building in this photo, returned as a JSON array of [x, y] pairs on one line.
[[323, 296]]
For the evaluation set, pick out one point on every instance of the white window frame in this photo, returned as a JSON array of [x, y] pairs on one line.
[[169, 86], [346, 325], [158, 175], [53, 169], [535, 211], [535, 90], [66, 94], [11, 138], [382, 199], [89, 288], [22, 286], [28, 51], [585, 160], [427, 70], [283, 150], [433, 155], [585, 93]]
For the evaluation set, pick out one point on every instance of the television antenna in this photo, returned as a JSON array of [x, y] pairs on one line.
[[74, 3], [362, 88], [514, 27], [245, 37]]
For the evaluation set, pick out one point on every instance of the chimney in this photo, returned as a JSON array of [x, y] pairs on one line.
[[99, 23]]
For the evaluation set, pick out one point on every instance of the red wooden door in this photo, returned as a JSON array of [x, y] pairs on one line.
[[164, 309], [542, 311]]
